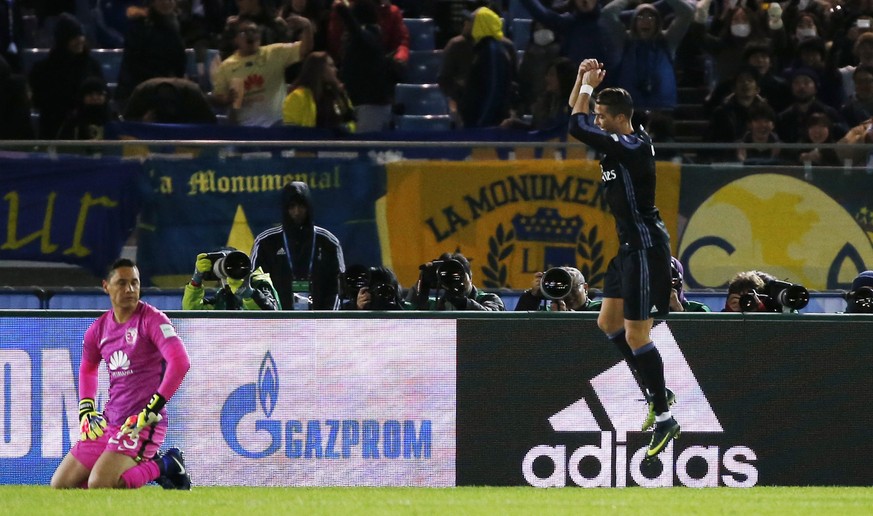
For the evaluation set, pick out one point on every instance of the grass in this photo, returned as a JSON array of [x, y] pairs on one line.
[[39, 500]]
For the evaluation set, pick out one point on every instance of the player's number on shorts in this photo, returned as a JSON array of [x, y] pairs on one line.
[[129, 441]]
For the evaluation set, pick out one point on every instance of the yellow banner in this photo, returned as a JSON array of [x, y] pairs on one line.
[[510, 218]]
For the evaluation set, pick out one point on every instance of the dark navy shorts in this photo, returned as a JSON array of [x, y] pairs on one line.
[[641, 277]]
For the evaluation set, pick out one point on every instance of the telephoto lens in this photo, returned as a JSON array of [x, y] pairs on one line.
[[556, 284]]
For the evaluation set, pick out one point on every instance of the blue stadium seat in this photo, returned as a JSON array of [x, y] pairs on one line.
[[420, 99], [29, 56], [163, 299], [424, 66], [521, 32], [201, 77], [70, 298], [423, 122], [421, 33], [110, 62], [13, 298], [517, 10]]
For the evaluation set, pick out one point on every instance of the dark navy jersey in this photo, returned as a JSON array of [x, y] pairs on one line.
[[627, 168]]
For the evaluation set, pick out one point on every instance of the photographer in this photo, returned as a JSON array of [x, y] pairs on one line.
[[371, 288], [565, 289], [450, 275], [241, 287], [678, 303], [758, 291], [859, 300]]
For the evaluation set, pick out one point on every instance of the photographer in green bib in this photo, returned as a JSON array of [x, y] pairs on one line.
[[241, 288], [303, 260]]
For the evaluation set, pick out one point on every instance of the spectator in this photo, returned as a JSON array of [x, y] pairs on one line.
[[678, 301], [169, 100], [761, 122], [201, 23], [863, 52], [274, 29], [55, 81], [241, 287], [818, 132], [851, 154], [251, 82], [487, 95], [727, 39], [535, 65], [318, 98], [88, 120], [859, 106], [457, 60], [581, 30], [567, 291], [844, 47], [811, 53], [111, 21], [804, 87], [304, 260], [646, 68], [771, 87], [367, 72], [372, 288], [153, 47], [14, 105], [859, 300], [395, 35], [452, 278], [550, 109], [730, 120]]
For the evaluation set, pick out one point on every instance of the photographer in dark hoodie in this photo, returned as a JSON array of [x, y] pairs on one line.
[[303, 259]]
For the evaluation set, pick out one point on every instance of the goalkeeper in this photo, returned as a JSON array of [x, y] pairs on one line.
[[118, 448], [250, 290]]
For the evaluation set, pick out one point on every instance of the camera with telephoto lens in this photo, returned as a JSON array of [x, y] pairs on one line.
[[776, 296], [862, 299], [228, 264], [675, 278], [379, 282], [556, 284], [448, 275]]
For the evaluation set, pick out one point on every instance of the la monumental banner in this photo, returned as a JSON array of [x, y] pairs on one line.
[[510, 218]]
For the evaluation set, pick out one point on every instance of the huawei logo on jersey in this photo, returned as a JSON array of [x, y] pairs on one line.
[[119, 360]]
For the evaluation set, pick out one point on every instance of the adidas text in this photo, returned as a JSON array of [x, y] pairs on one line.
[[734, 467]]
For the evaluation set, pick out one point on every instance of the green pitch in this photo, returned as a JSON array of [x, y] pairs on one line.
[[485, 501]]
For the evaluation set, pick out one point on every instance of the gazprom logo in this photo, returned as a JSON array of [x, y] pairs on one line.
[[268, 384], [327, 438]]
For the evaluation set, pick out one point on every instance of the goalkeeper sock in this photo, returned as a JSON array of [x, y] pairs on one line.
[[652, 371], [141, 474], [618, 338]]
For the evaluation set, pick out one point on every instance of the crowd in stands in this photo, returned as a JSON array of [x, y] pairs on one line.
[[799, 71]]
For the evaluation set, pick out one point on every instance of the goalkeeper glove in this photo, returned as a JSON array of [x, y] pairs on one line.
[[201, 267], [148, 416], [91, 422]]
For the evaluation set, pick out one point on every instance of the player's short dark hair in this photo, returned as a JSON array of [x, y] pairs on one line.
[[617, 101], [117, 264]]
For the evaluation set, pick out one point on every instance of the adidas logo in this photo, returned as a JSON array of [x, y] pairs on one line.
[[621, 398], [622, 402], [118, 360], [280, 252]]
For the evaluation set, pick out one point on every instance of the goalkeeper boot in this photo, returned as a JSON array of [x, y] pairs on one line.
[[174, 475], [664, 432], [650, 417]]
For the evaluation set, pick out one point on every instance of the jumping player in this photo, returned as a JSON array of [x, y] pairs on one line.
[[147, 362], [638, 281]]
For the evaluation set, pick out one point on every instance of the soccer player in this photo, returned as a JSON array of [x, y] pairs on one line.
[[147, 362], [638, 279]]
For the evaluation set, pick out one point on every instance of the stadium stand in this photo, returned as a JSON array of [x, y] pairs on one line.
[[421, 33], [424, 66], [423, 123], [420, 99], [520, 30]]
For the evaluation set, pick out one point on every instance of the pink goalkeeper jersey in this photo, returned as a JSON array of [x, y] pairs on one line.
[[133, 352]]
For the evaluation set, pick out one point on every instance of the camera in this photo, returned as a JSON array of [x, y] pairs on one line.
[[776, 296], [556, 284], [448, 275], [228, 264], [675, 278], [860, 301], [379, 282]]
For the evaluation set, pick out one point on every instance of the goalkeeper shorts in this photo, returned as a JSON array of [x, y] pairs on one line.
[[142, 447]]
